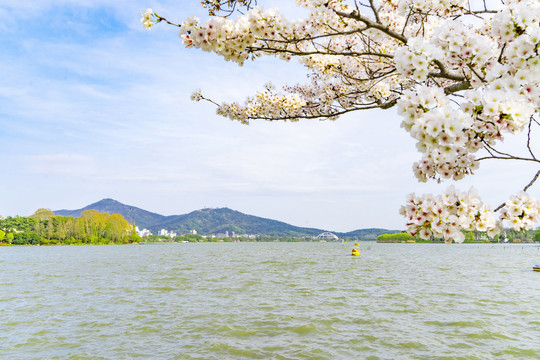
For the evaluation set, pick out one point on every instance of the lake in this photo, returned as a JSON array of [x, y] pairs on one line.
[[270, 301]]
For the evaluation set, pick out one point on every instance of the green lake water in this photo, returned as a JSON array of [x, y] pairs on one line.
[[270, 301]]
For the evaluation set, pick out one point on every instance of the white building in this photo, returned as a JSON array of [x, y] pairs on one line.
[[164, 232], [222, 235], [143, 232]]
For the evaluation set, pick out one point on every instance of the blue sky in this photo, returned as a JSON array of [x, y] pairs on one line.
[[93, 106]]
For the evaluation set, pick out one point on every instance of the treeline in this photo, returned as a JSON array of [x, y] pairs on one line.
[[199, 238], [508, 235], [181, 238], [520, 236], [46, 228], [397, 237]]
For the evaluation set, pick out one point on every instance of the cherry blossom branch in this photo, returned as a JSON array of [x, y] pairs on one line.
[[317, 37], [314, 116], [271, 50], [418, 56], [524, 189]]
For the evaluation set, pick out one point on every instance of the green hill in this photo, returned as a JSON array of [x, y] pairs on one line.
[[141, 218], [213, 221]]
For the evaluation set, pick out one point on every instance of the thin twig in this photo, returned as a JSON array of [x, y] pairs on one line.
[[524, 189], [529, 138], [375, 11], [355, 15], [161, 18], [532, 181]]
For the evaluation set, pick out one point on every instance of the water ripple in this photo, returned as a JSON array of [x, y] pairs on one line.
[[269, 301]]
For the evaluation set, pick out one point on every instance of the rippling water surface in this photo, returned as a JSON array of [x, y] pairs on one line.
[[270, 301]]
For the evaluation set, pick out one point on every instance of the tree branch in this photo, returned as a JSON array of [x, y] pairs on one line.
[[161, 18], [532, 181], [529, 138], [443, 73], [463, 85], [524, 189], [504, 156], [355, 15], [375, 11], [317, 52], [322, 36]]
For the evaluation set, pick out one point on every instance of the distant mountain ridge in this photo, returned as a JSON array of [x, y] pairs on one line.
[[212, 221], [142, 218]]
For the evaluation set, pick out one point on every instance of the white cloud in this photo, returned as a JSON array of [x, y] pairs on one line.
[[71, 165]]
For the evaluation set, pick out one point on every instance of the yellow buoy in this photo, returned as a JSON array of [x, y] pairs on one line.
[[355, 252]]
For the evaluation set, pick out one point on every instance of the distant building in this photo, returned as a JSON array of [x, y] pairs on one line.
[[222, 235], [248, 236], [143, 232], [164, 232]]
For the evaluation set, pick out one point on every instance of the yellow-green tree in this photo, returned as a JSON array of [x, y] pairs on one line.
[[118, 228], [43, 214]]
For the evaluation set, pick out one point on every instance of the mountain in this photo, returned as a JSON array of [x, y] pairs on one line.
[[212, 221], [142, 218]]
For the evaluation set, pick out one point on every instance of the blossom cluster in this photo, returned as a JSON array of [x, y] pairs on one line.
[[447, 215], [197, 95], [319, 97], [233, 38], [443, 133], [267, 102], [501, 64], [428, 6], [148, 18], [521, 211], [414, 60]]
